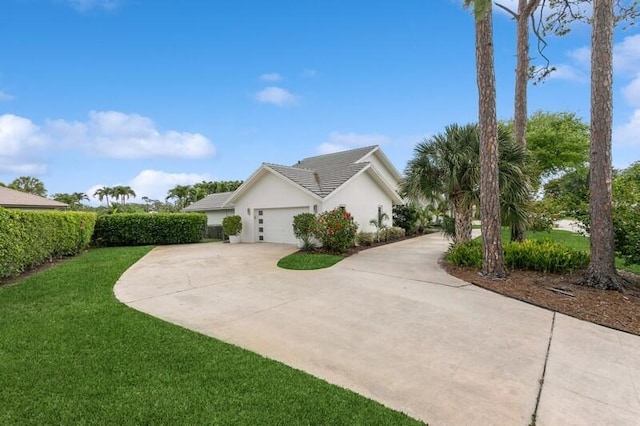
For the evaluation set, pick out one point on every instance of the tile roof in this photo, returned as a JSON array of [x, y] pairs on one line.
[[210, 202], [342, 158], [10, 198]]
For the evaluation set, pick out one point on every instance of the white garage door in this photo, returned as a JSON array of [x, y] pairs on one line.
[[276, 225]]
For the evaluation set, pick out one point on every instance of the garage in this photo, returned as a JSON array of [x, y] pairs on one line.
[[276, 225]]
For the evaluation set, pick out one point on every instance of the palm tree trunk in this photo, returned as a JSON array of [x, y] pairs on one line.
[[462, 216], [601, 272], [492, 255]]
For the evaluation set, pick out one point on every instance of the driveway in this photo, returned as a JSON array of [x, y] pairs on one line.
[[390, 324]]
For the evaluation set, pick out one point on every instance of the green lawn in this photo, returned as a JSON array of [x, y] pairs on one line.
[[70, 353], [570, 239], [306, 261]]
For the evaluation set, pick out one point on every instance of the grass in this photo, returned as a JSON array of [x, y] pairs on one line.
[[572, 240], [307, 261], [70, 353]]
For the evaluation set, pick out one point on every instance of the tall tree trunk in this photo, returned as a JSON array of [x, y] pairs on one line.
[[525, 9], [463, 217], [492, 255], [601, 272]]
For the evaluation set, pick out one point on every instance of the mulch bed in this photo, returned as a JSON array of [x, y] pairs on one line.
[[563, 294]]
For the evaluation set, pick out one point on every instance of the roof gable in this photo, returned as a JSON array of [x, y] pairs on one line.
[[10, 198], [335, 159]]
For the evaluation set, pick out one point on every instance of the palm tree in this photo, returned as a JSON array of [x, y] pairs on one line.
[[79, 197], [379, 222], [103, 194], [30, 185], [448, 165], [180, 193], [123, 193]]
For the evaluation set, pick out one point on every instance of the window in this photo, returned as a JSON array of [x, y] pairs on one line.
[[379, 211], [259, 212], [261, 229], [260, 221]]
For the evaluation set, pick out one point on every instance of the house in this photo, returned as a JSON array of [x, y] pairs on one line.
[[12, 199], [362, 180], [213, 206]]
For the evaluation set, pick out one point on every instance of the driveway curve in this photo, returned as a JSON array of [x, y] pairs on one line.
[[390, 324]]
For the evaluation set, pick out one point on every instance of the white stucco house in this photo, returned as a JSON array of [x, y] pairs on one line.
[[362, 180]]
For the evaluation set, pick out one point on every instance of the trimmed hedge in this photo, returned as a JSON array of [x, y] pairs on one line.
[[534, 255], [29, 238], [138, 229]]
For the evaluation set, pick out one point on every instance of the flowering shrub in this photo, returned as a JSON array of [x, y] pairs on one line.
[[303, 226], [336, 230]]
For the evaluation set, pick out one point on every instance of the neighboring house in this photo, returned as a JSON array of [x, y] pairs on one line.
[[212, 205], [362, 180], [12, 199]]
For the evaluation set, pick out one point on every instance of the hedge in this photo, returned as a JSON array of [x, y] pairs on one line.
[[137, 229], [29, 238]]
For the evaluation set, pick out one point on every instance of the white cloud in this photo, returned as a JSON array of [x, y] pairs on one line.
[[118, 135], [277, 96], [568, 72], [21, 144], [271, 76], [4, 96], [155, 183], [86, 5], [629, 133], [631, 91], [343, 141], [626, 54]]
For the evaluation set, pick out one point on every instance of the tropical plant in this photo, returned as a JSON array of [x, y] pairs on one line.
[[303, 227], [405, 216], [336, 230], [122, 193], [379, 222], [232, 225], [179, 193], [29, 184], [103, 194]]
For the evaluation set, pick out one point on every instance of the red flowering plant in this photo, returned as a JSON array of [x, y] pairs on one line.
[[336, 230]]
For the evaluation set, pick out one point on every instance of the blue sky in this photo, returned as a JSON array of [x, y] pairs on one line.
[[154, 93]]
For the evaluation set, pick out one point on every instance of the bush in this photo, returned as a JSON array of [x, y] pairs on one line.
[[365, 238], [393, 233], [626, 231], [303, 227], [136, 229], [540, 222], [30, 238], [534, 255], [232, 225], [405, 216], [336, 230]]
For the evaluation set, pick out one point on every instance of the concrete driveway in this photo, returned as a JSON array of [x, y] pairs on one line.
[[390, 324]]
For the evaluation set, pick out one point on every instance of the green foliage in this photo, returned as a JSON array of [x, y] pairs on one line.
[[29, 184], [540, 219], [557, 142], [232, 225], [303, 227], [137, 229], [405, 216], [626, 214], [336, 230], [308, 261], [30, 238], [379, 222], [365, 238], [536, 255], [468, 253], [568, 195], [392, 234]]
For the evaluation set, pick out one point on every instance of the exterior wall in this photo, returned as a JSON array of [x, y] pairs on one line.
[[361, 197], [214, 217], [382, 170], [269, 192]]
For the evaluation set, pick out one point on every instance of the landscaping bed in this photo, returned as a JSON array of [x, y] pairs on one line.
[[563, 294]]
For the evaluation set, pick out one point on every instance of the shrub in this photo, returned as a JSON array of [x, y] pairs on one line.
[[365, 238], [303, 227], [405, 216], [540, 222], [30, 238], [232, 225], [534, 255], [465, 254], [393, 233], [336, 230], [135, 229]]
